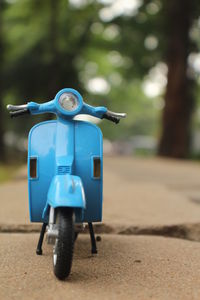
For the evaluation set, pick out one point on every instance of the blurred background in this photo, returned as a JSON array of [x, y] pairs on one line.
[[136, 56]]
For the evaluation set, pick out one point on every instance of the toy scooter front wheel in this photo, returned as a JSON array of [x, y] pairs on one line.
[[64, 244]]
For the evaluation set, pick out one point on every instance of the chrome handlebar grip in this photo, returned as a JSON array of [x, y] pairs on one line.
[[117, 115], [11, 107]]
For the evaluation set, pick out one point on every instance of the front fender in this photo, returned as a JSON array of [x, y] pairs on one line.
[[66, 191]]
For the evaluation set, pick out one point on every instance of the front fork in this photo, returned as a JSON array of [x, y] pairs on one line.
[[52, 233]]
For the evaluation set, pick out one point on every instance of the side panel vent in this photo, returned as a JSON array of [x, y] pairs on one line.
[[61, 170], [96, 167], [33, 168]]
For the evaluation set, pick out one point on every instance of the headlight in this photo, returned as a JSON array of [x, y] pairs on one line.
[[69, 101]]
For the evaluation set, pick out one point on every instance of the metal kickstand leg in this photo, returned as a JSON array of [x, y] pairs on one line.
[[92, 238], [39, 246]]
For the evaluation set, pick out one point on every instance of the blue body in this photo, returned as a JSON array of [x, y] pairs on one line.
[[65, 151]]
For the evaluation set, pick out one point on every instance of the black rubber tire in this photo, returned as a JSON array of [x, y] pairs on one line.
[[64, 245]]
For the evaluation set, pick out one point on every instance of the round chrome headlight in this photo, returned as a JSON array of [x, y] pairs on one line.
[[69, 101]]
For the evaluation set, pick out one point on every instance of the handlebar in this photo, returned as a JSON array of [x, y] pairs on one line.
[[32, 107], [17, 110], [113, 117], [11, 107]]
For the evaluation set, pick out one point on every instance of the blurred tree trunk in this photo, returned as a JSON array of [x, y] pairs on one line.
[[52, 49], [2, 150], [53, 85], [178, 98]]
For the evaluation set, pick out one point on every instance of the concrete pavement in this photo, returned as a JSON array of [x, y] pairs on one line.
[[152, 196], [127, 267]]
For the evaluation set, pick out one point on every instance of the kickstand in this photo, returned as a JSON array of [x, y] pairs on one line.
[[92, 238], [39, 246]]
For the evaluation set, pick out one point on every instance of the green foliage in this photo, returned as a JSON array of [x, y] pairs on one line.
[[52, 44], [7, 172]]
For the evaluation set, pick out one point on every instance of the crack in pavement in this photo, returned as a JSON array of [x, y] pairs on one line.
[[183, 231]]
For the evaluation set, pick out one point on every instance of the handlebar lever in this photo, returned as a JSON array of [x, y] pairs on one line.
[[18, 113], [110, 118], [114, 117]]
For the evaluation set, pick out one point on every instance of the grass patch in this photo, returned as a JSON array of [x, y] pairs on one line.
[[7, 172]]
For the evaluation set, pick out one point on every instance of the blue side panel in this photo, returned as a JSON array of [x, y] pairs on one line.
[[89, 145], [41, 145], [44, 139]]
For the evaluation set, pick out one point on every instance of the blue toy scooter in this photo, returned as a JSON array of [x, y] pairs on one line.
[[65, 172]]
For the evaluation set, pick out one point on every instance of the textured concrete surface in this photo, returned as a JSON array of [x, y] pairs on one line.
[[151, 196], [125, 268], [14, 202]]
